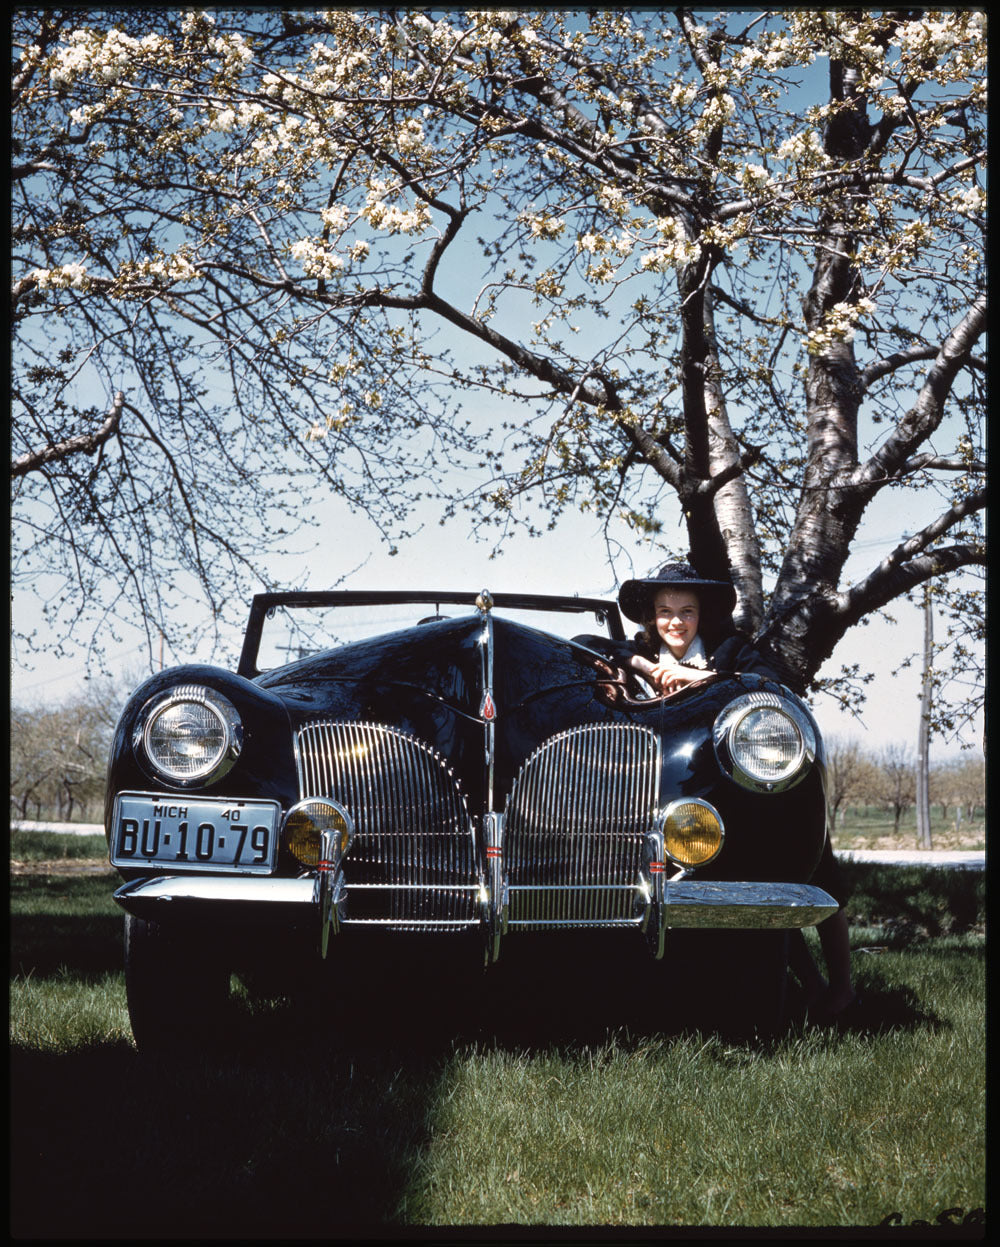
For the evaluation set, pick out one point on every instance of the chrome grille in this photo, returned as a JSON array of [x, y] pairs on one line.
[[575, 827], [413, 862]]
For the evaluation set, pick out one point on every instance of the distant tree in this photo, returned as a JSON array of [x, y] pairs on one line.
[[724, 269], [896, 778], [58, 756], [33, 764], [845, 771], [960, 784]]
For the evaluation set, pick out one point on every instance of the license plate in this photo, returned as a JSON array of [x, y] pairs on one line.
[[197, 834]]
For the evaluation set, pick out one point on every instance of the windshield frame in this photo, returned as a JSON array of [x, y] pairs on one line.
[[262, 603]]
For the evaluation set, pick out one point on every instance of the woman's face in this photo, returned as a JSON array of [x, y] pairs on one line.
[[676, 614]]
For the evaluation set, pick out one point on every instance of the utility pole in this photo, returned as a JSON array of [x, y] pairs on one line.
[[924, 734]]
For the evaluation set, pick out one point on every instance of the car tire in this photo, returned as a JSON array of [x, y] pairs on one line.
[[736, 982], [178, 997], [767, 981], [756, 981]]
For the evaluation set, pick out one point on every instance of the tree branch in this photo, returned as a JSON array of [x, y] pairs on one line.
[[912, 563], [85, 443], [926, 413]]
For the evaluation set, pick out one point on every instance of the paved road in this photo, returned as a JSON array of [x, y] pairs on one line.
[[957, 859], [66, 829]]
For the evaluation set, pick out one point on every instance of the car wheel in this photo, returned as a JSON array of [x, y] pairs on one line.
[[766, 979], [736, 982], [178, 996]]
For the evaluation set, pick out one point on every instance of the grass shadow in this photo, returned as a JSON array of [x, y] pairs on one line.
[[290, 1139], [44, 944], [315, 1110]]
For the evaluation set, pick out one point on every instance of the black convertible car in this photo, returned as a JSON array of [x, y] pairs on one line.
[[455, 771]]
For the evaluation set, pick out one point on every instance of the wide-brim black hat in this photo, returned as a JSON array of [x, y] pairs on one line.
[[636, 596]]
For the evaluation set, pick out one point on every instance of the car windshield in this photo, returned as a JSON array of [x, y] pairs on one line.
[[290, 632]]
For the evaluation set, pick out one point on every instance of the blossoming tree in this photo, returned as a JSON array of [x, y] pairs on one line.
[[734, 264]]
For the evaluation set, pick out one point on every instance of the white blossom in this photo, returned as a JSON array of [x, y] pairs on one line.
[[801, 146], [969, 201], [682, 94], [410, 137], [755, 176], [542, 225], [62, 277], [839, 325], [316, 260], [224, 119]]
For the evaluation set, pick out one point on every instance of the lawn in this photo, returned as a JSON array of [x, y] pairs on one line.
[[314, 1125]]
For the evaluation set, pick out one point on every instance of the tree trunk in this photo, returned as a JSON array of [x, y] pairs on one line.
[[924, 733]]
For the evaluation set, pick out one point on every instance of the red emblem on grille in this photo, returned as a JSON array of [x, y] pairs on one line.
[[489, 710]]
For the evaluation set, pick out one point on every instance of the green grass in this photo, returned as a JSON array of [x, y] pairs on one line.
[[912, 901], [51, 846], [311, 1127], [870, 828]]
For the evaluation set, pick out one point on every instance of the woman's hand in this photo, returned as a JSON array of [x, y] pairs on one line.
[[668, 677]]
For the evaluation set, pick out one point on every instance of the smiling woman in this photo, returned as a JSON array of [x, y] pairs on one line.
[[682, 612], [676, 614]]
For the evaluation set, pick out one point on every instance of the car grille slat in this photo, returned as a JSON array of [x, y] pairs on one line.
[[576, 823], [413, 863]]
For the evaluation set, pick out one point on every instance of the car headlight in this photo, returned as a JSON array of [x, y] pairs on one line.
[[692, 832], [304, 827], [191, 735], [765, 742]]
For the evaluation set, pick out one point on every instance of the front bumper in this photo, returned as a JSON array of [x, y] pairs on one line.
[[684, 902]]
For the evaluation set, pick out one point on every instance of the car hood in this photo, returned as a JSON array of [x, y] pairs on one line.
[[443, 661]]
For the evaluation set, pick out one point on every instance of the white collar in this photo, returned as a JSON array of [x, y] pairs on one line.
[[694, 655]]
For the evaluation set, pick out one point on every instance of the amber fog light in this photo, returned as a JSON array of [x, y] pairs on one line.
[[692, 832], [304, 827]]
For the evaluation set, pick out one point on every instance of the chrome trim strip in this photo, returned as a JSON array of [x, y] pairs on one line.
[[246, 889], [498, 897], [779, 906], [329, 887], [487, 705], [578, 887], [415, 887], [581, 924], [415, 924]]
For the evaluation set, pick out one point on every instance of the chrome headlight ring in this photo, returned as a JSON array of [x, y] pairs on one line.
[[764, 742], [190, 735]]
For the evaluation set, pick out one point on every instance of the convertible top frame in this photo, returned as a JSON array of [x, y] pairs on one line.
[[264, 602]]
